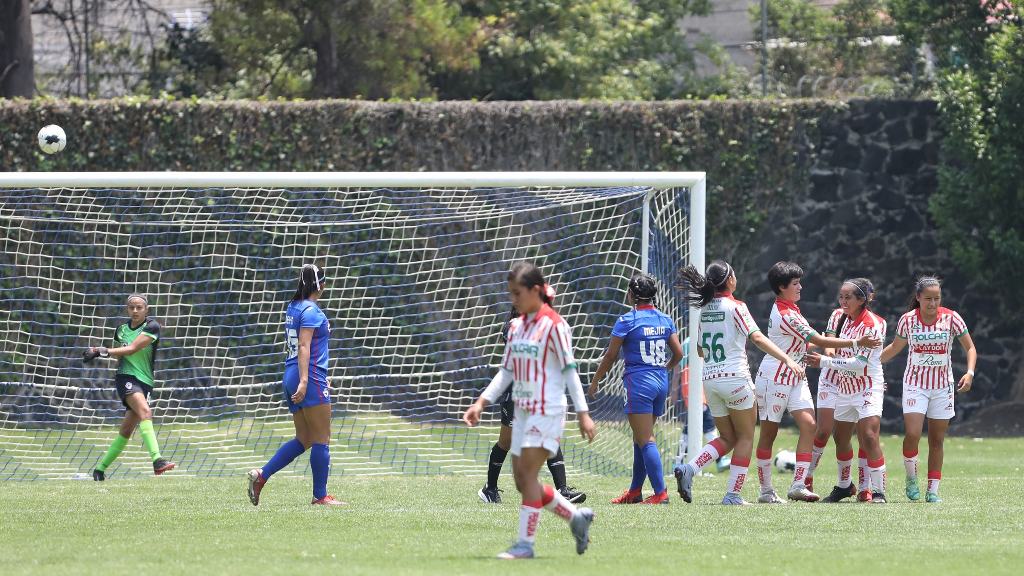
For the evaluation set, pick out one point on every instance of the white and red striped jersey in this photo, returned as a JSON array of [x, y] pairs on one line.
[[538, 353], [789, 330], [830, 330], [928, 365], [725, 325], [852, 381]]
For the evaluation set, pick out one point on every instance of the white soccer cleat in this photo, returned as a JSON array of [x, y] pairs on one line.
[[770, 497], [518, 551], [800, 493]]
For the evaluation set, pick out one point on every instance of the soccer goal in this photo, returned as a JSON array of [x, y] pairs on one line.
[[416, 296]]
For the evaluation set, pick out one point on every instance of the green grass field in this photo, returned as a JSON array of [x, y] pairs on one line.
[[436, 525]]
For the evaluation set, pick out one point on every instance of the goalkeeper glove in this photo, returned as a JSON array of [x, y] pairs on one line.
[[91, 353]]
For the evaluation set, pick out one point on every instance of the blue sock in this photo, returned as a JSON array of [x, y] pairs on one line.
[[639, 469], [288, 451], [652, 460], [320, 462]]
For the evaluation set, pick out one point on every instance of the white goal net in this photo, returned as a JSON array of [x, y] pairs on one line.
[[416, 297]]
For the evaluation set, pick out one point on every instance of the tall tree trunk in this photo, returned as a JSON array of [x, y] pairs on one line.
[[17, 70]]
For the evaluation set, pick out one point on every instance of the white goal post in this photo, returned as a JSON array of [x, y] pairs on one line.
[[65, 197]]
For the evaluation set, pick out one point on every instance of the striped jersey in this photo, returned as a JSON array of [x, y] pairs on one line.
[[725, 325], [870, 376], [789, 330], [538, 352], [830, 330], [928, 366]]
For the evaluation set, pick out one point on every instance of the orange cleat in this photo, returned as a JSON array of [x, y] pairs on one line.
[[629, 497], [864, 496], [657, 498], [328, 501]]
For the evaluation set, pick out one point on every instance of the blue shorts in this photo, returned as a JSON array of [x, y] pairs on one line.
[[316, 390], [646, 393]]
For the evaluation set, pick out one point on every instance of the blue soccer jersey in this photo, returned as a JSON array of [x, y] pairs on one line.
[[645, 333], [306, 314]]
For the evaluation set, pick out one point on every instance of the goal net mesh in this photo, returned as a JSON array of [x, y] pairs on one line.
[[416, 296]]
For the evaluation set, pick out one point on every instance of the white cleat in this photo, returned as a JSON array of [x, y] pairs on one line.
[[733, 499], [518, 551], [770, 497], [800, 493]]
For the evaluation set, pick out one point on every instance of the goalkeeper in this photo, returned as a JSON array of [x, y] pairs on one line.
[[136, 344]]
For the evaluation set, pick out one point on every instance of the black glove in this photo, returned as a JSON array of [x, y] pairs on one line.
[[91, 353]]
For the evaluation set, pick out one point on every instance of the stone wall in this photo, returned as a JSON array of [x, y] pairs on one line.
[[864, 212]]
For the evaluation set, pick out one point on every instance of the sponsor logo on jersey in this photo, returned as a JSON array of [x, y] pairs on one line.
[[525, 349], [929, 336], [712, 316]]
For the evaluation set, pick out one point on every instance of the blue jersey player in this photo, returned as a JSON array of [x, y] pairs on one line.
[[644, 336], [306, 392]]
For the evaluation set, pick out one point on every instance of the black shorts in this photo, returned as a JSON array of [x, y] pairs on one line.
[[127, 384], [508, 411]]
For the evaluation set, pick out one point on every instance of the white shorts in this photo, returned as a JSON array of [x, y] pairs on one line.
[[774, 399], [860, 405], [827, 394], [934, 404], [536, 431], [728, 394]]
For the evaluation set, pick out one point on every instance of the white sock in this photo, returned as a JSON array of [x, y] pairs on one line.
[[803, 463], [845, 463], [933, 481], [911, 465], [877, 475], [555, 502], [713, 451], [529, 519], [863, 477], [737, 475], [764, 469], [816, 452]]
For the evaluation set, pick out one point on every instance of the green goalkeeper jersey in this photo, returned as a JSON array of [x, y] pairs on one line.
[[139, 364]]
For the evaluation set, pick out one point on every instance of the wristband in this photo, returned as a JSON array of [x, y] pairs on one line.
[[971, 372]]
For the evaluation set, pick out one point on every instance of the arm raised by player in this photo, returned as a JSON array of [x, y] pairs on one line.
[[828, 342], [894, 348], [768, 347], [103, 352], [610, 356]]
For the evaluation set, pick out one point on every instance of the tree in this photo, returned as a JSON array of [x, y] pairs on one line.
[[549, 49], [845, 45], [340, 48], [17, 69]]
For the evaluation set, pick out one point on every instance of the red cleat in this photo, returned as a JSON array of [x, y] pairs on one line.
[[629, 497], [864, 496], [256, 484], [329, 501], [657, 498]]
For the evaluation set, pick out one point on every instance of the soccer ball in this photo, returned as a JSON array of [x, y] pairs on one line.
[[52, 139], [785, 461]]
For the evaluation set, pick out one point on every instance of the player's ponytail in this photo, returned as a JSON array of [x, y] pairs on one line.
[[919, 286], [528, 275], [701, 289], [311, 281], [643, 287]]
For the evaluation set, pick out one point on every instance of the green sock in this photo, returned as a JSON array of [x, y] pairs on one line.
[[112, 453], [149, 439]]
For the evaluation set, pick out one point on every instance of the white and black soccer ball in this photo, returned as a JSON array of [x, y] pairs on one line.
[[52, 139], [785, 461]]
